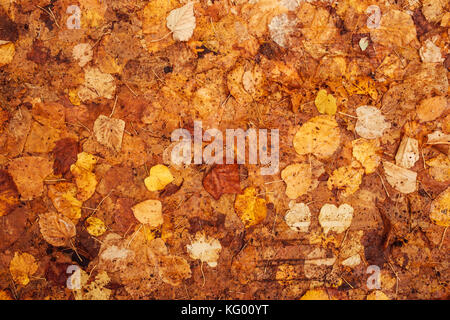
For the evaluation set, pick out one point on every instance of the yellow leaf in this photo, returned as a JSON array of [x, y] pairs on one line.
[[160, 176], [7, 52], [63, 196], [439, 168], [319, 136], [85, 180], [325, 102], [73, 97], [297, 178], [440, 209], [22, 266], [363, 86], [347, 178], [315, 294], [251, 209], [5, 295], [377, 295], [149, 212], [367, 153], [95, 226]]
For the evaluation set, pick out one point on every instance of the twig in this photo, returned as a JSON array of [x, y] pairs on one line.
[[442, 239], [114, 107]]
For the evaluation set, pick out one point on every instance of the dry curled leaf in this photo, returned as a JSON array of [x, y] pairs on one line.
[[22, 267], [56, 230], [109, 132], [181, 22], [221, 179]]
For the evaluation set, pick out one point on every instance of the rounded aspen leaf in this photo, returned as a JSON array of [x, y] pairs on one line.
[[205, 249], [22, 267], [367, 153], [95, 226], [63, 196], [160, 176], [173, 269], [370, 123], [298, 217], [109, 132], [181, 22], [332, 218], [297, 178], [319, 136], [347, 178], [56, 229], [149, 212], [325, 102]]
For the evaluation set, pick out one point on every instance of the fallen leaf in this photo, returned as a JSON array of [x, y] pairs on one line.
[[7, 52], [439, 168], [325, 102], [438, 137], [251, 209], [440, 209], [332, 218], [319, 136], [222, 179], [85, 179], [109, 132], [82, 53], [377, 295], [397, 20], [367, 152], [173, 270], [315, 294], [56, 230], [298, 217], [205, 249], [22, 267], [181, 22], [95, 226], [298, 178], [431, 108], [403, 180], [370, 123], [407, 153], [160, 176], [63, 196], [28, 174], [65, 154], [96, 84], [95, 290], [347, 178], [149, 212], [9, 195]]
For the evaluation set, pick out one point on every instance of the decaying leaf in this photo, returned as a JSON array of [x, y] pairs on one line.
[[298, 217], [28, 173], [438, 137], [319, 136], [440, 209], [205, 249], [315, 294], [160, 176], [347, 178], [325, 102], [250, 208], [367, 152], [149, 212], [297, 178], [9, 196], [56, 230], [63, 196], [397, 20], [439, 168], [22, 267], [109, 132], [377, 295], [85, 179], [173, 269], [332, 218], [96, 84], [95, 290], [82, 52], [403, 180], [407, 153], [65, 154], [371, 123], [95, 226], [181, 22], [431, 108]]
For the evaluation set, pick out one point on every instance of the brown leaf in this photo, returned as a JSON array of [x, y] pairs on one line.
[[13, 226], [222, 178], [124, 219], [65, 154], [56, 229], [9, 196], [109, 132]]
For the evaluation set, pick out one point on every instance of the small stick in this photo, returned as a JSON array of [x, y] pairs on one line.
[[442, 239], [114, 107]]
